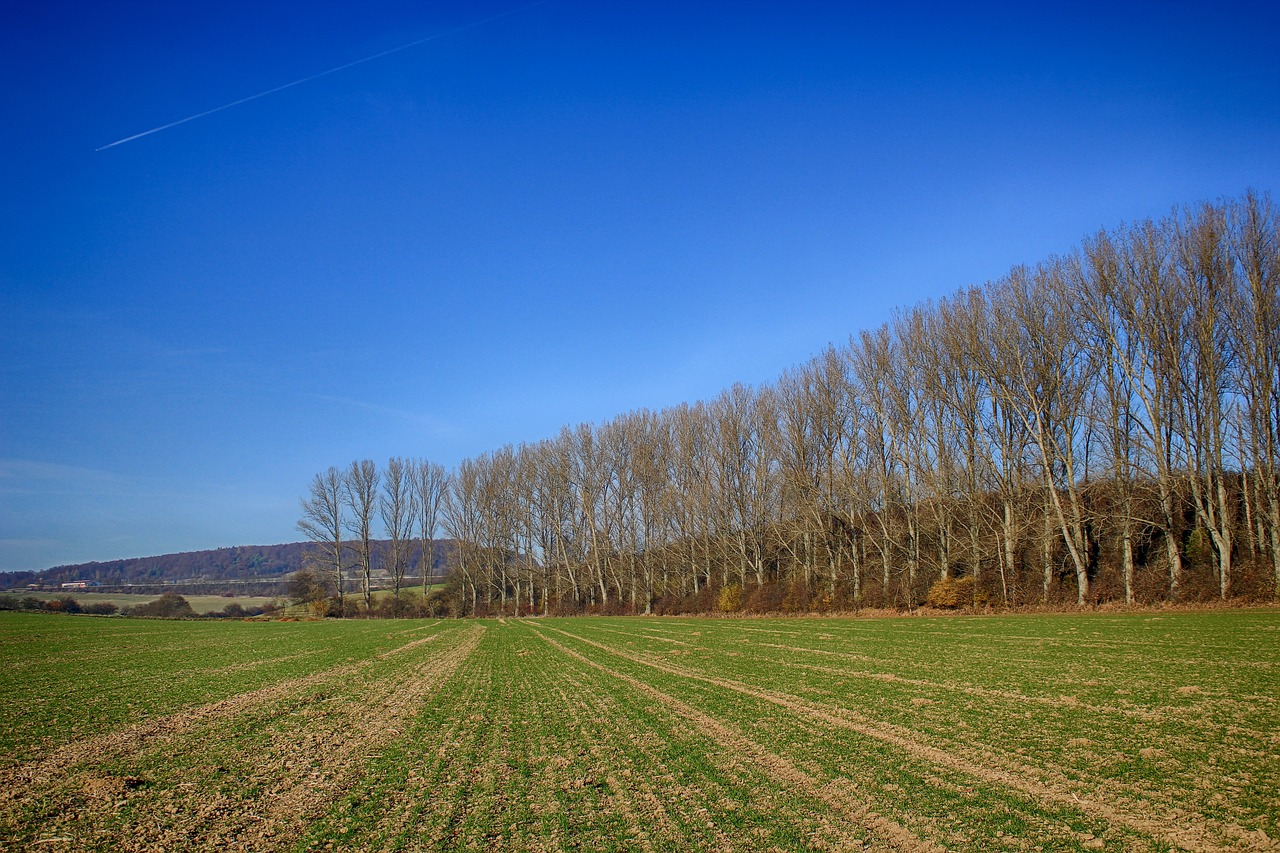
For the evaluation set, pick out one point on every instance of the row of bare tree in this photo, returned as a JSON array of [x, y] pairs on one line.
[[339, 516], [1101, 426]]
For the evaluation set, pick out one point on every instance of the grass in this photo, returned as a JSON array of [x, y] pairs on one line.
[[1117, 731]]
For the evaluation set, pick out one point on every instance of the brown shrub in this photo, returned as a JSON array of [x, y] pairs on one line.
[[731, 598], [951, 593]]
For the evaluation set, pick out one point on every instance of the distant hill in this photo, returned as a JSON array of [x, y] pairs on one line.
[[241, 563]]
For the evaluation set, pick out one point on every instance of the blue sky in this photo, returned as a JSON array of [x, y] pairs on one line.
[[565, 213]]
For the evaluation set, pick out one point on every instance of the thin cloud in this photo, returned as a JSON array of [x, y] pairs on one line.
[[27, 476], [325, 73], [33, 478]]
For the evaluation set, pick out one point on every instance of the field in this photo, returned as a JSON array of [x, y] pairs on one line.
[[199, 603], [1064, 732]]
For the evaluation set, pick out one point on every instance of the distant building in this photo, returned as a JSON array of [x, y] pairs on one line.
[[79, 584]]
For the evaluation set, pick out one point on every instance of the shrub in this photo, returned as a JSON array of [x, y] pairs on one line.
[[951, 593], [440, 603], [234, 610], [168, 606], [307, 587], [764, 599], [731, 598], [101, 608], [1198, 550], [798, 598], [63, 604]]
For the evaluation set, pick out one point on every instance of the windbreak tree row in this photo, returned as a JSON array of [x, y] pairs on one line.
[[1099, 427], [343, 508]]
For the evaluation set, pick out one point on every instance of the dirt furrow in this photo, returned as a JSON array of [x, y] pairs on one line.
[[416, 797], [254, 664], [1145, 715], [646, 635], [662, 806], [301, 777], [125, 809], [407, 646], [631, 786], [620, 795], [897, 836], [16, 780], [433, 799], [1184, 832], [415, 630]]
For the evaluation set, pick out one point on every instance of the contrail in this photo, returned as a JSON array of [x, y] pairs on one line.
[[320, 74]]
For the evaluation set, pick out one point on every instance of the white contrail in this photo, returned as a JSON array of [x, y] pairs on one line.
[[318, 75]]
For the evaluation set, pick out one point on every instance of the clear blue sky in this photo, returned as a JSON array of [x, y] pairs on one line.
[[553, 217]]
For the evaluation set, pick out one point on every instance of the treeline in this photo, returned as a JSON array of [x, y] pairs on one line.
[[343, 509], [170, 605], [1099, 427]]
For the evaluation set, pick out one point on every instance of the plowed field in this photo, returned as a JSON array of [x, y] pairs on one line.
[[1100, 731]]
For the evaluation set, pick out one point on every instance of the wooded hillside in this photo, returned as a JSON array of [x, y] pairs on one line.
[[234, 564]]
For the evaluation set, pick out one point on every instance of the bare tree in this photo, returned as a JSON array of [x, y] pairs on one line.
[[590, 479], [429, 484], [1088, 407], [1205, 273], [323, 522], [873, 354], [653, 452], [397, 507], [1002, 448], [1096, 280], [1046, 377], [692, 485], [360, 495], [497, 495], [1151, 311], [1255, 321], [461, 516], [808, 433], [962, 392]]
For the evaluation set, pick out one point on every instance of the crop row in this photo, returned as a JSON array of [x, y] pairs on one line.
[[1124, 731]]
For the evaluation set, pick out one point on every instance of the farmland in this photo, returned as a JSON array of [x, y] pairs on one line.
[[199, 603], [1117, 731]]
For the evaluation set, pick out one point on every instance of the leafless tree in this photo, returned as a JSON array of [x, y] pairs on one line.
[[323, 522], [360, 496], [397, 506], [429, 484], [462, 521], [873, 356], [1255, 321], [1151, 311], [1096, 280], [1072, 414], [1046, 376], [1203, 268]]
